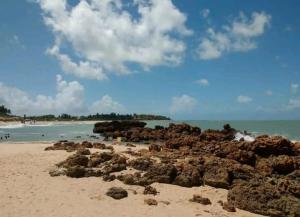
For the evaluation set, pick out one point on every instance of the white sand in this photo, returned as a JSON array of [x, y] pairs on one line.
[[27, 190]]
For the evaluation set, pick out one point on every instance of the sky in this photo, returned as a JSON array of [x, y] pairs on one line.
[[193, 59]]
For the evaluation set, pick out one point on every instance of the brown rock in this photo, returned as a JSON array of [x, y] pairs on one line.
[[150, 202], [229, 208], [199, 199], [117, 193], [150, 190]]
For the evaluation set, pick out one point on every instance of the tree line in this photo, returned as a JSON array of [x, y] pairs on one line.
[[67, 117]]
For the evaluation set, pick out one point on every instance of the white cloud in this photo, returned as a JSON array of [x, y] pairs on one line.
[[244, 99], [237, 37], [106, 36], [294, 88], [293, 104], [183, 104], [202, 82], [106, 105], [68, 99], [269, 92], [205, 12]]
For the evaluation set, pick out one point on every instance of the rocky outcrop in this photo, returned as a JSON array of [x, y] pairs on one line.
[[263, 196], [117, 193], [262, 176], [105, 127]]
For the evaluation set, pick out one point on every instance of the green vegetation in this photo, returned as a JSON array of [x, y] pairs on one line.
[[98, 117], [4, 111]]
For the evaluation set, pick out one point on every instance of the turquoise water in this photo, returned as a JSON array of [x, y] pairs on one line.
[[54, 132]]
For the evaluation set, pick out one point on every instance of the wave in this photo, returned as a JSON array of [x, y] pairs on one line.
[[247, 138], [39, 125], [12, 126], [15, 126]]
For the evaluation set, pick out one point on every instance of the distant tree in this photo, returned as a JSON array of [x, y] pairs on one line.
[[4, 110]]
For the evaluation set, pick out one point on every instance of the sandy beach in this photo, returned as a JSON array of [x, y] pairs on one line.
[[27, 189]]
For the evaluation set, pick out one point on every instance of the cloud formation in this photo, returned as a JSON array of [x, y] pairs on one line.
[[183, 104], [106, 105], [294, 88], [244, 99], [238, 36], [202, 82], [106, 36], [68, 99]]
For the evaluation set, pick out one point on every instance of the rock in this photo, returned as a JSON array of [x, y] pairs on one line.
[[93, 172], [229, 208], [142, 163], [161, 173], [199, 199], [150, 202], [150, 190], [109, 178], [104, 127], [99, 145], [262, 197], [216, 173], [165, 202], [83, 151], [75, 172], [98, 158], [272, 145], [155, 147], [188, 176], [86, 144], [117, 193], [76, 160], [58, 171]]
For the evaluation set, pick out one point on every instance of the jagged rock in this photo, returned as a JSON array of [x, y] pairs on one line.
[[142, 163], [75, 171], [272, 145], [103, 127], [228, 207], [261, 197], [86, 144], [117, 193], [199, 199], [98, 158], [216, 173], [189, 176], [161, 173], [58, 171], [99, 145], [75, 160], [109, 178], [150, 190], [93, 172], [83, 151], [151, 202], [155, 147]]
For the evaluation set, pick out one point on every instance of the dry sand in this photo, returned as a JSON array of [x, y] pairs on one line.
[[27, 190]]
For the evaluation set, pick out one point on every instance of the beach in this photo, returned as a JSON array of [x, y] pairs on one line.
[[28, 190]]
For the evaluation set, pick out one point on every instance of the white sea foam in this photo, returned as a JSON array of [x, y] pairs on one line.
[[15, 126], [247, 138], [12, 126]]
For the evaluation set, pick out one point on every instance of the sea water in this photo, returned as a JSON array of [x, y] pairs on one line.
[[84, 131]]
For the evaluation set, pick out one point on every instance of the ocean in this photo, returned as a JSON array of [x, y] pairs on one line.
[[84, 131]]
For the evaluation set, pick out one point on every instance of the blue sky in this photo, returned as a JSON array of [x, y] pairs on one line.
[[184, 59]]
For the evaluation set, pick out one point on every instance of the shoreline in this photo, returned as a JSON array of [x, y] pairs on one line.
[[28, 190]]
